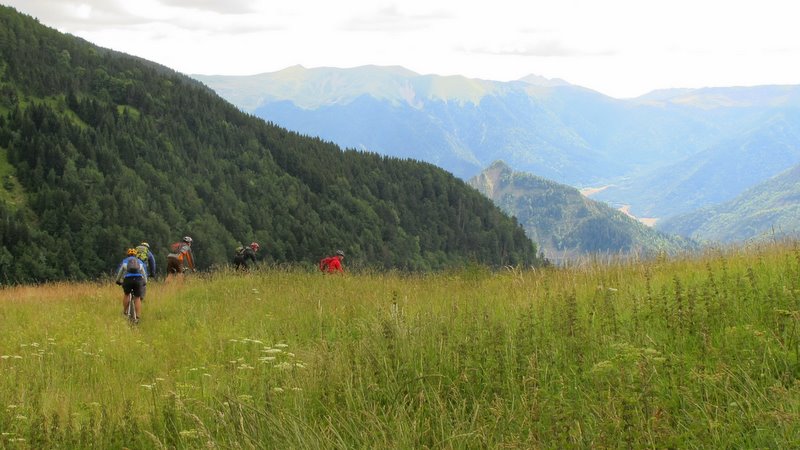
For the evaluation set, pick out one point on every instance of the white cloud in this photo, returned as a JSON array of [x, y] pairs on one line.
[[218, 6], [543, 48], [392, 18]]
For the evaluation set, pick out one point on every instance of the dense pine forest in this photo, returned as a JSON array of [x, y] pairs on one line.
[[100, 150]]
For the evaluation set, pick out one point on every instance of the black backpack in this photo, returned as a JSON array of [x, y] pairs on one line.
[[134, 265]]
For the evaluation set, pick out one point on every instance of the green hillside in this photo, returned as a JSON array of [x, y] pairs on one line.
[[108, 150], [566, 224]]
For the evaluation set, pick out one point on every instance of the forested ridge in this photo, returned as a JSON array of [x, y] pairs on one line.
[[566, 224], [100, 150]]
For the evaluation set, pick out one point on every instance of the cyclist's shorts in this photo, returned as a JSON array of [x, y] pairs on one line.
[[239, 262], [174, 265], [135, 285]]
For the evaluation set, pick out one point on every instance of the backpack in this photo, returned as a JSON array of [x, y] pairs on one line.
[[176, 247], [134, 265], [240, 250], [141, 253]]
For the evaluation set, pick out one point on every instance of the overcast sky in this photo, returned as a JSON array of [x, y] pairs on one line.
[[622, 48]]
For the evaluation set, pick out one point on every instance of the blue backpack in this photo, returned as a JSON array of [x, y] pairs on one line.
[[134, 265]]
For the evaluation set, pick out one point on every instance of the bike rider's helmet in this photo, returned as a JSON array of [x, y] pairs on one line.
[[145, 244], [255, 246], [187, 239], [340, 253], [131, 252]]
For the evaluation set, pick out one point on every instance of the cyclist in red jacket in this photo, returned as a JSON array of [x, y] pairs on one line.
[[332, 264]]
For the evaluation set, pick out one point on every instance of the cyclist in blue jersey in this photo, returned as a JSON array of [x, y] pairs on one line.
[[132, 276]]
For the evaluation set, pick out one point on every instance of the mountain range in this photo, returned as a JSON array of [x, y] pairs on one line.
[[663, 154]]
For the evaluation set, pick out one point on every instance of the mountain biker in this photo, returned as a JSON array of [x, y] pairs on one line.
[[144, 253], [180, 257], [132, 276], [243, 254], [332, 264]]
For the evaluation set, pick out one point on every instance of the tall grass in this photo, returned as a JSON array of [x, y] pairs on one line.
[[693, 352]]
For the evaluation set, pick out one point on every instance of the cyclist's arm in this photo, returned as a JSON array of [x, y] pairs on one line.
[[151, 263], [190, 258], [120, 273]]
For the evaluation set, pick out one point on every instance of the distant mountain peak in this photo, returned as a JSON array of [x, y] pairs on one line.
[[538, 80], [728, 97]]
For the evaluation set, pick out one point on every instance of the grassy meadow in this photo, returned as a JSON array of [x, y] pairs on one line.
[[691, 352]]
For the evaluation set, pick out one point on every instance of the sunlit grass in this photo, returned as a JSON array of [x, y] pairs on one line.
[[699, 351]]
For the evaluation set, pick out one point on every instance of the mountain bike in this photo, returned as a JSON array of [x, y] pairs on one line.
[[130, 312]]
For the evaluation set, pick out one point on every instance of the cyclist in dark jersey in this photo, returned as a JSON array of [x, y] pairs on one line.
[[245, 254]]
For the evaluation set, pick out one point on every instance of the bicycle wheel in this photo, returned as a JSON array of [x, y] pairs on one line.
[[131, 312]]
